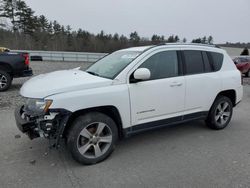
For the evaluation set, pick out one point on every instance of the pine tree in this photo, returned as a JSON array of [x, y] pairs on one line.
[[210, 40], [134, 38], [204, 40], [176, 38], [116, 37], [198, 40], [245, 51], [172, 39], [56, 27], [44, 23], [9, 11]]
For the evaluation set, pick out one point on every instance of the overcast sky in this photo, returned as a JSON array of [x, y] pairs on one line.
[[225, 20]]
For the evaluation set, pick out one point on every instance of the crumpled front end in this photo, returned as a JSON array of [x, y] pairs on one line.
[[50, 125]]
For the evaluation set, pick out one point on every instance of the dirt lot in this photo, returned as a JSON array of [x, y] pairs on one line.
[[186, 155]]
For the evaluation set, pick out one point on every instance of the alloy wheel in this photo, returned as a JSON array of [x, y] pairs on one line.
[[94, 140], [3, 81], [222, 113]]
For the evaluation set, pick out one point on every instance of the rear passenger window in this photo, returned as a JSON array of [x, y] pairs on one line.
[[207, 64], [216, 59], [194, 61]]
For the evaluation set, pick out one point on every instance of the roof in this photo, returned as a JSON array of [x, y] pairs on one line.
[[144, 48], [139, 48]]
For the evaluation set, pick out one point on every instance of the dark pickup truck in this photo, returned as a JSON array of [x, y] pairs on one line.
[[13, 65]]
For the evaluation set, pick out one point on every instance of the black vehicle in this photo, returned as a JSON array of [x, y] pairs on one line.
[[13, 65]]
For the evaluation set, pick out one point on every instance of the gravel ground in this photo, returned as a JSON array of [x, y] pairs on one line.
[[12, 98]]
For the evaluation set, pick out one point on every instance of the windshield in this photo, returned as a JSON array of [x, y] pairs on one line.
[[111, 65]]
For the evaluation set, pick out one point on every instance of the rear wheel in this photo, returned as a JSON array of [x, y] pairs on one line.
[[248, 73], [220, 113], [92, 138], [5, 80]]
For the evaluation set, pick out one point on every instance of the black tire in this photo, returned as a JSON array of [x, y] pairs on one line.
[[219, 119], [248, 73], [89, 123], [5, 80]]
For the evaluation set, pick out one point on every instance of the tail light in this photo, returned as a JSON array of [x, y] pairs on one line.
[[27, 60]]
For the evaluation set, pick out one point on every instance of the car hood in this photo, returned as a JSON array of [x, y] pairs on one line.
[[57, 82]]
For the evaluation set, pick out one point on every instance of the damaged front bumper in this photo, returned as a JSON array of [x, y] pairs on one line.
[[50, 125]]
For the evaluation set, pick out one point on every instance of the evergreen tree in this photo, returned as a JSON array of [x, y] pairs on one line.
[[116, 37], [172, 39], [176, 38], [26, 21], [44, 23], [198, 40], [56, 27], [9, 11], [50, 30], [245, 51], [210, 40], [134, 38]]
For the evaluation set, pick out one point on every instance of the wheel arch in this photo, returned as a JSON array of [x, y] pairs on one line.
[[110, 111], [6, 67], [231, 94]]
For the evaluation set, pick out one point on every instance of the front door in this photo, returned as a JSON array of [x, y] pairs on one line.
[[162, 96]]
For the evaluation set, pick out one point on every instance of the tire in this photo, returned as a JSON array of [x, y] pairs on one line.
[[92, 138], [5, 80], [220, 113], [248, 73]]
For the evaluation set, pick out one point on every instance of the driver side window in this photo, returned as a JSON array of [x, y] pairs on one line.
[[162, 65]]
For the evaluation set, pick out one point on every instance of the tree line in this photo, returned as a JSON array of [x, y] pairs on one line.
[[21, 28]]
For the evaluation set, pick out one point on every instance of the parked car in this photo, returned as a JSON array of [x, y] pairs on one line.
[[13, 65], [243, 64], [127, 92], [3, 49]]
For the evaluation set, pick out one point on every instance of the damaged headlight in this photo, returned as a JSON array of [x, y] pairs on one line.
[[37, 106]]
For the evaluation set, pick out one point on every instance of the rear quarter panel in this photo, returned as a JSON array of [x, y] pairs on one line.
[[13, 60], [231, 77]]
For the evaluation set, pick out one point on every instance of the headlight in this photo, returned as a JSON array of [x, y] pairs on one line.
[[37, 106]]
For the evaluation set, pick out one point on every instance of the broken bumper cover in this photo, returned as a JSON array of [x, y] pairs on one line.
[[49, 126], [24, 125]]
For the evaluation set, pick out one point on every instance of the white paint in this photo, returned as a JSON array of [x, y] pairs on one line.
[[139, 102]]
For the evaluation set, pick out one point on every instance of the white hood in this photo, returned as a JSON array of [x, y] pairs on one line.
[[61, 81]]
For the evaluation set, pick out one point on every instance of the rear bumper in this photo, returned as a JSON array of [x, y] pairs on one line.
[[28, 72], [24, 73], [239, 95]]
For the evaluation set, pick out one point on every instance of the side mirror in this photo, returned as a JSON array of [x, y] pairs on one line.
[[142, 74]]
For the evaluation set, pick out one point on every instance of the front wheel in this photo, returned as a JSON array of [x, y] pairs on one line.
[[220, 113], [92, 138]]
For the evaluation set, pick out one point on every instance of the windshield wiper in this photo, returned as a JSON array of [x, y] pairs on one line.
[[93, 73]]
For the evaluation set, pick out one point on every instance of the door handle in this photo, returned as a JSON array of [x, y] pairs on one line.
[[175, 84]]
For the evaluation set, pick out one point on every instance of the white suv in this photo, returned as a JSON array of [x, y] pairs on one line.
[[130, 91]]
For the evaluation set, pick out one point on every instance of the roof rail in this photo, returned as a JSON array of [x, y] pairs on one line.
[[194, 44]]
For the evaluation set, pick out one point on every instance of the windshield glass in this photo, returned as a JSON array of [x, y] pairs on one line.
[[111, 65]]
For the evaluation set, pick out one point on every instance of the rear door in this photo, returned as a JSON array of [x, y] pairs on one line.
[[202, 82]]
